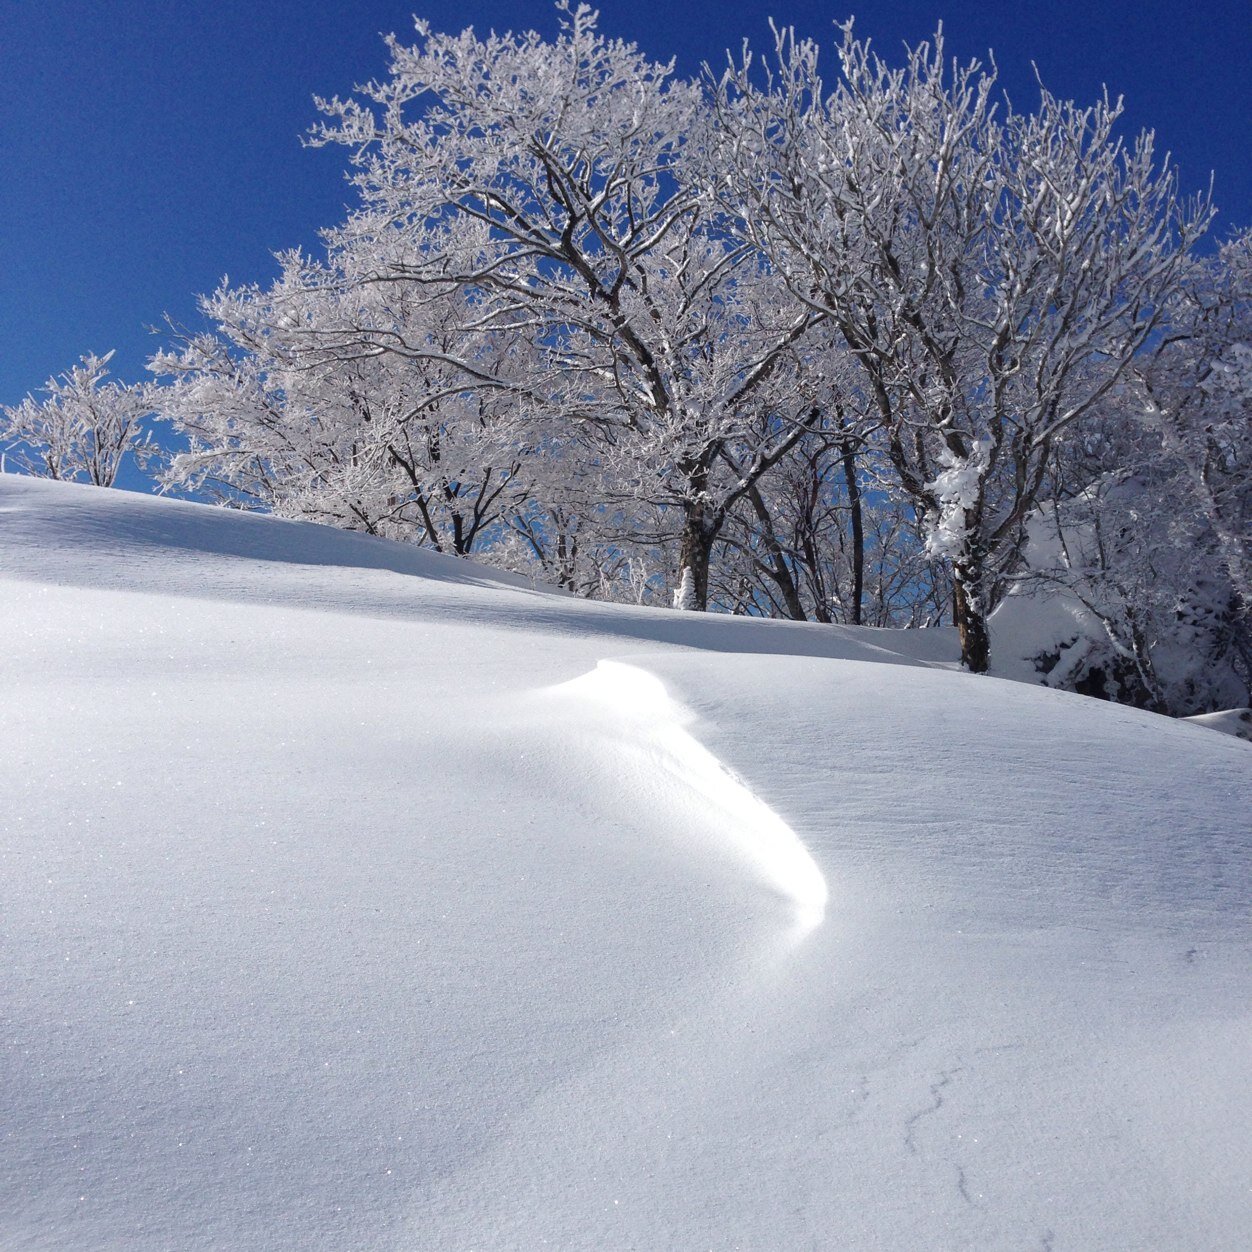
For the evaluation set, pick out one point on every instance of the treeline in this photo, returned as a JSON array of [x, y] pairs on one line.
[[878, 350]]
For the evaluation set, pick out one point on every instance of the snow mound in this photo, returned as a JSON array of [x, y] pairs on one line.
[[1237, 722], [355, 897], [645, 712], [79, 536]]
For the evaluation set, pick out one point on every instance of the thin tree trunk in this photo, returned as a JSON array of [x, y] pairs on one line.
[[777, 568], [858, 532]]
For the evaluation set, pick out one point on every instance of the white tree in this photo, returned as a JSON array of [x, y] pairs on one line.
[[756, 344], [576, 156], [1198, 398], [829, 538], [1147, 536], [994, 277], [289, 405], [85, 428]]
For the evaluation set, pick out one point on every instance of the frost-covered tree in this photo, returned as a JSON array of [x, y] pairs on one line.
[[84, 428], [1146, 535], [761, 345], [292, 405], [1157, 542], [1198, 399], [994, 274], [834, 541], [578, 157]]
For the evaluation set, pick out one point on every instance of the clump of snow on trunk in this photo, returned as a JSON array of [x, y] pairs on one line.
[[685, 596], [957, 489]]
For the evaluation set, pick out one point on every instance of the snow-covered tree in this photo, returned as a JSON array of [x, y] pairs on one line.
[[758, 344], [830, 539], [664, 335], [1121, 597], [292, 405], [84, 428], [994, 274], [1198, 399], [1146, 536]]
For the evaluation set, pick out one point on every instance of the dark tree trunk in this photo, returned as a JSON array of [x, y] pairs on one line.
[[971, 622], [566, 555], [777, 568], [701, 525], [693, 559], [858, 532], [459, 544]]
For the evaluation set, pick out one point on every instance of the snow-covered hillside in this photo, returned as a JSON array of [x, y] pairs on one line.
[[354, 897]]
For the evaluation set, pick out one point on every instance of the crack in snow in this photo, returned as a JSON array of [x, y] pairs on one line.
[[936, 1093], [910, 1127], [962, 1185]]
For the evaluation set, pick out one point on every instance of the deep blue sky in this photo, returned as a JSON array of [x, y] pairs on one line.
[[147, 147]]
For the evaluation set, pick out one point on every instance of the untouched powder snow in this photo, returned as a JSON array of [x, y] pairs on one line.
[[354, 897], [649, 726]]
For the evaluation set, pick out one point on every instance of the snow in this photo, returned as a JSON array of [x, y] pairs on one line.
[[1237, 722], [352, 896], [958, 488], [685, 594]]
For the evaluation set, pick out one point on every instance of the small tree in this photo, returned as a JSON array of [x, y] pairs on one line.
[[294, 405], [85, 428]]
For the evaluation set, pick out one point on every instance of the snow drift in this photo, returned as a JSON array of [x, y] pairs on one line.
[[355, 897]]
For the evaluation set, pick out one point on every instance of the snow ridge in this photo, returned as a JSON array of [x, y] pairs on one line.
[[751, 829]]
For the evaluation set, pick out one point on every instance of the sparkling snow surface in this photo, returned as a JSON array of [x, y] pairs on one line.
[[356, 898]]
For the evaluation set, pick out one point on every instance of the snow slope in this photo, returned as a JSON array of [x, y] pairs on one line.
[[353, 897]]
